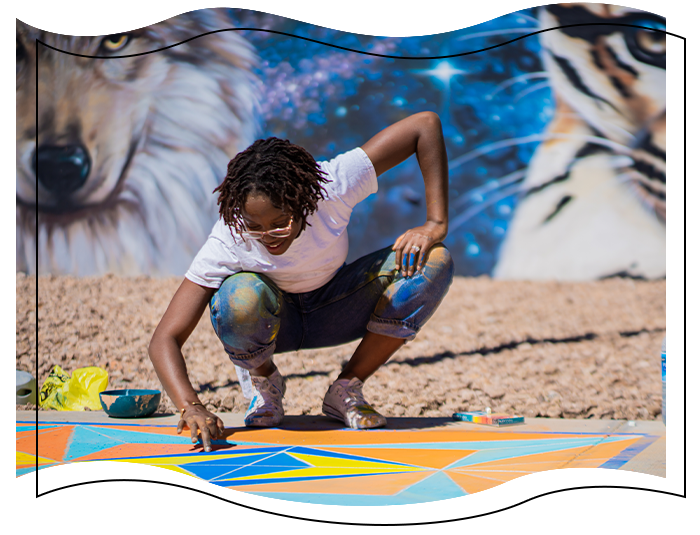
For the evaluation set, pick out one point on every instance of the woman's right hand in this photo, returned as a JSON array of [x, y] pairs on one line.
[[165, 350], [200, 420]]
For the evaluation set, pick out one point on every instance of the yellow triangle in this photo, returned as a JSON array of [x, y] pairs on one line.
[[176, 469], [323, 472], [27, 458], [321, 461]]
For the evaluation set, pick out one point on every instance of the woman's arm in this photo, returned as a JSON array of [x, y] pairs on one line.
[[165, 350], [419, 134]]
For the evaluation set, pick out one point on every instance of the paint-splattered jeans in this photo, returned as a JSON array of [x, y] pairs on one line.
[[254, 319]]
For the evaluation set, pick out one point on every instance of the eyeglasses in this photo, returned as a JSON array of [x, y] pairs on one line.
[[274, 233]]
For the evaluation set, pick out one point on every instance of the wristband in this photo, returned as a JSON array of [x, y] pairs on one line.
[[182, 411]]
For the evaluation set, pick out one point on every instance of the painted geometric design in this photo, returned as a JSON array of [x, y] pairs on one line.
[[343, 467]]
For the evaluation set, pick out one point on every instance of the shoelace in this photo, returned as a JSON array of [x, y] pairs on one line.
[[355, 396]]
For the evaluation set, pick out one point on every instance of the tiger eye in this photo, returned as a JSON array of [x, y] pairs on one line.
[[651, 42]]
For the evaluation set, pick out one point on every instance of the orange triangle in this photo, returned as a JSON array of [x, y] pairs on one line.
[[376, 485], [474, 483], [169, 430], [428, 458], [52, 442], [342, 437], [536, 462], [599, 454], [23, 434], [127, 451]]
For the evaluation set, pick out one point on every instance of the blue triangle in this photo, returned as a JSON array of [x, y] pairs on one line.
[[228, 460], [230, 472], [224, 482], [270, 465], [283, 460]]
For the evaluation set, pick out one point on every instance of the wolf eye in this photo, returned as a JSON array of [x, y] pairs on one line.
[[113, 43]]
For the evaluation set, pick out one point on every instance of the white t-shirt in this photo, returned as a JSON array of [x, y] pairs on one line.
[[317, 253]]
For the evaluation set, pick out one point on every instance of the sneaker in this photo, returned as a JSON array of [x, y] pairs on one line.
[[344, 401], [265, 408]]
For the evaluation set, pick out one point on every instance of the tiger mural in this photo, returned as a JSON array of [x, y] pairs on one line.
[[594, 198]]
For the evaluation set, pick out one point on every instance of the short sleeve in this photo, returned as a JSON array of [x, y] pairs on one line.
[[352, 175], [213, 264]]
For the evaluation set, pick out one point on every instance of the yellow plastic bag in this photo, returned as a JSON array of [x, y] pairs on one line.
[[63, 392]]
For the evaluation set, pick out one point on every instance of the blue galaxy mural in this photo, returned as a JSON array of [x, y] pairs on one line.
[[502, 94]]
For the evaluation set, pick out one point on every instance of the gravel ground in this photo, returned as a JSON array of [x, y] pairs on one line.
[[547, 349]]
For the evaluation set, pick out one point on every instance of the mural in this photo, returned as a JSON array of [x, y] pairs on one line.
[[556, 140]]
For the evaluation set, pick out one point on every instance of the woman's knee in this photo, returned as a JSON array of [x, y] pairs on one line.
[[245, 312], [408, 302], [439, 268]]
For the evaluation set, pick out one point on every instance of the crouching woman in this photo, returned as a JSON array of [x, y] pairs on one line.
[[274, 275]]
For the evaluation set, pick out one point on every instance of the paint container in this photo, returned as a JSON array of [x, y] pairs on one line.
[[130, 403], [488, 418], [25, 388], [663, 381]]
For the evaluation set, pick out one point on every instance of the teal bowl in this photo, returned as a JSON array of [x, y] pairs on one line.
[[130, 403]]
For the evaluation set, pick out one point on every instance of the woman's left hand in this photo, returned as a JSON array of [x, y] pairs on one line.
[[413, 245]]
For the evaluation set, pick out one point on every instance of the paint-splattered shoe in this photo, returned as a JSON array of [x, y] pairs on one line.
[[266, 408], [344, 401]]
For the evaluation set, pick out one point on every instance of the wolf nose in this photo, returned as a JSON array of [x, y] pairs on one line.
[[63, 169]]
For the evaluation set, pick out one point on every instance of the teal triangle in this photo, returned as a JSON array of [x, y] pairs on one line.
[[85, 441], [438, 486], [509, 449], [22, 471], [32, 427], [141, 437], [89, 439], [433, 488]]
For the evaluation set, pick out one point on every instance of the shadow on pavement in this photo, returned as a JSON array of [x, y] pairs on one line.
[[322, 423]]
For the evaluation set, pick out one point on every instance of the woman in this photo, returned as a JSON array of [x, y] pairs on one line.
[[274, 275]]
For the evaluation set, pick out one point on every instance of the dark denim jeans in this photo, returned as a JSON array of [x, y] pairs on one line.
[[254, 319]]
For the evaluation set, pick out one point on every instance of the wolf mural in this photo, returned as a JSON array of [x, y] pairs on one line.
[[130, 148]]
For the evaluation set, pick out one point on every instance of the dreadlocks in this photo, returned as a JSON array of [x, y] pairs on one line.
[[285, 172]]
